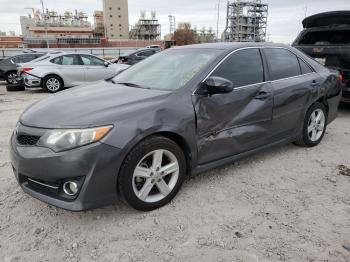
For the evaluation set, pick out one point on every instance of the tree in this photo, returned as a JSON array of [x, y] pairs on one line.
[[184, 35]]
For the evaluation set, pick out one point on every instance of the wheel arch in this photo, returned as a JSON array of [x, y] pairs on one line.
[[323, 100], [182, 143]]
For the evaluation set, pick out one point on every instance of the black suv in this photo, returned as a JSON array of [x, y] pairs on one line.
[[326, 38], [8, 67]]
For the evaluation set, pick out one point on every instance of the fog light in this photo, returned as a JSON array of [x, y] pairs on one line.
[[70, 188]]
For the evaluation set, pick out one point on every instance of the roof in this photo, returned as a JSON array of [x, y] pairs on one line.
[[327, 19], [232, 45]]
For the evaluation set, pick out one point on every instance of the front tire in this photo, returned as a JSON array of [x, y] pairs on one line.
[[152, 173], [315, 125], [53, 84]]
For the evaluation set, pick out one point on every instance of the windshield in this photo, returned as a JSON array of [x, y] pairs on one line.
[[167, 70]]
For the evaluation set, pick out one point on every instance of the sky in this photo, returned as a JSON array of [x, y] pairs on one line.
[[284, 21]]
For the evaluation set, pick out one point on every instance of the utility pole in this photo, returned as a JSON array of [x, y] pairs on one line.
[[217, 23], [47, 40]]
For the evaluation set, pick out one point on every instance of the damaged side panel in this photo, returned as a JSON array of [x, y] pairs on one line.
[[228, 124]]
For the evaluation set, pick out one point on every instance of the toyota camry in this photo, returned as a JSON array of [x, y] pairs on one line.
[[180, 112]]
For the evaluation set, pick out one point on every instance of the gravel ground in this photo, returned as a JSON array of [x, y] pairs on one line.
[[286, 204]]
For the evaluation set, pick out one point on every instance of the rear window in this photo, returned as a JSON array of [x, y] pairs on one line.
[[282, 63], [305, 69], [339, 37]]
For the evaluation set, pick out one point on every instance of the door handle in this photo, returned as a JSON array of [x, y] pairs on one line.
[[263, 95]]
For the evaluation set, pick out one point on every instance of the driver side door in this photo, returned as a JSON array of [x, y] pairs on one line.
[[95, 68], [239, 121]]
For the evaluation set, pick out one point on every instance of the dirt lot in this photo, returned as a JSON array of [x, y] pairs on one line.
[[287, 204]]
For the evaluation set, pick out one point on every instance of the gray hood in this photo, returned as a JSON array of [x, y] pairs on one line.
[[101, 103]]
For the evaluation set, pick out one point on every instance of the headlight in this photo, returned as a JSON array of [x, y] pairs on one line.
[[64, 139]]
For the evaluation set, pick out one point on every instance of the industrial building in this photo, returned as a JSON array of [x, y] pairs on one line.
[[246, 21], [99, 30], [147, 28], [54, 28], [116, 19]]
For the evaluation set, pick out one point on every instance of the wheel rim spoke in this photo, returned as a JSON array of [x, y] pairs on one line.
[[163, 187], [314, 135], [320, 127], [310, 129], [146, 189], [142, 172], [169, 169], [157, 159], [318, 117]]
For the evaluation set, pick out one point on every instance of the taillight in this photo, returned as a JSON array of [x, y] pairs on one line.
[[26, 69], [341, 78]]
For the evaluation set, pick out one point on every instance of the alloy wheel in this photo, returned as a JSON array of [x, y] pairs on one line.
[[155, 176], [53, 84], [12, 78], [317, 123]]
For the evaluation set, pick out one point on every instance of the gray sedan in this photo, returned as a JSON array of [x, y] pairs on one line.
[[179, 112]]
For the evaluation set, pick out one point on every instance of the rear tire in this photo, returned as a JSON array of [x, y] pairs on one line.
[[152, 173], [315, 125], [53, 84]]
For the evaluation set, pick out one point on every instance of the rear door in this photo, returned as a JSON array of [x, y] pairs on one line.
[[71, 69], [95, 68], [294, 83], [229, 124]]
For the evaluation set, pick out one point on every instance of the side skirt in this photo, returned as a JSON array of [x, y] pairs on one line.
[[232, 159]]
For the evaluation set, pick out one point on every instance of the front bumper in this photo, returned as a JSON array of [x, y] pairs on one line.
[[31, 81], [95, 166]]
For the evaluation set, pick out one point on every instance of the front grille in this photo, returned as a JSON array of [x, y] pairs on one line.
[[27, 140]]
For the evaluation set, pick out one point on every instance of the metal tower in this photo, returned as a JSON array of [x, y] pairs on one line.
[[172, 24], [246, 21]]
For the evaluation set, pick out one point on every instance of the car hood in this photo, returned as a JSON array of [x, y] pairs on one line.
[[102, 103]]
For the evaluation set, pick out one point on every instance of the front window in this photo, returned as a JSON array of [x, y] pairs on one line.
[[242, 68], [168, 70], [91, 60]]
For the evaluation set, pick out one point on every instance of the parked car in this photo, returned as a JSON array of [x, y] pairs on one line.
[[154, 46], [8, 67], [182, 111], [58, 71], [137, 56], [326, 37]]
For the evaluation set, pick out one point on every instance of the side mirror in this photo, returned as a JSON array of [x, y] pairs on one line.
[[217, 85], [106, 64]]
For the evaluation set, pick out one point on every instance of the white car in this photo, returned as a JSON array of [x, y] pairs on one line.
[[54, 72]]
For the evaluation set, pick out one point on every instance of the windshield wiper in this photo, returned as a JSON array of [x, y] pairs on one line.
[[132, 85]]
